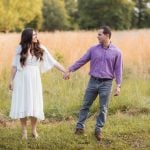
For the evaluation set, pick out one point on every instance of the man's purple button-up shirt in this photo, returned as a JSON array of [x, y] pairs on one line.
[[104, 63]]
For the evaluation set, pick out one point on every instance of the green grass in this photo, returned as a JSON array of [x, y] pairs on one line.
[[121, 132], [127, 126]]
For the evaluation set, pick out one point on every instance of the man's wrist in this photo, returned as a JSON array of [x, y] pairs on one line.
[[69, 70]]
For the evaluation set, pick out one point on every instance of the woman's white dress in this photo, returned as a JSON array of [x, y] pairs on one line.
[[27, 97]]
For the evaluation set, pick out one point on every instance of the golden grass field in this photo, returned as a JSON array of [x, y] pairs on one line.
[[72, 44]]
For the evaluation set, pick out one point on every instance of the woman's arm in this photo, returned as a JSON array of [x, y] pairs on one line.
[[60, 67], [13, 73]]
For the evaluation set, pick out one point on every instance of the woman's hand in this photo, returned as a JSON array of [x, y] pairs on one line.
[[11, 86], [66, 75]]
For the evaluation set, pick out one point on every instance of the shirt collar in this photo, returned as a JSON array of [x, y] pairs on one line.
[[108, 48]]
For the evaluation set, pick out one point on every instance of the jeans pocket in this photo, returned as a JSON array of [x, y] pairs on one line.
[[108, 84]]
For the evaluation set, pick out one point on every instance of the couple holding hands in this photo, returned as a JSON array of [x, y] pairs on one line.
[[31, 58]]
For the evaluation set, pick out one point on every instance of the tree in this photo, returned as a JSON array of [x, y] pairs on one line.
[[15, 15], [72, 11], [141, 16], [54, 15], [147, 17], [115, 13]]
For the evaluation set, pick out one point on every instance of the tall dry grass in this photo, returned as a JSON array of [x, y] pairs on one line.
[[71, 45]]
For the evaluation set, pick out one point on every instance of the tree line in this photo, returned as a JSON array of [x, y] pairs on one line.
[[50, 15]]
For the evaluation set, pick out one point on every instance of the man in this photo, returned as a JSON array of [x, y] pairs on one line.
[[105, 65]]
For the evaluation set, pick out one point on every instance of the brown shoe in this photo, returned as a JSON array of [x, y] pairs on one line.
[[98, 135], [79, 131]]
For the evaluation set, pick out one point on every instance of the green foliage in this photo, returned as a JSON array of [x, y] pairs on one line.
[[147, 18], [115, 13], [72, 10], [50, 15], [141, 15], [35, 23], [55, 15], [15, 15]]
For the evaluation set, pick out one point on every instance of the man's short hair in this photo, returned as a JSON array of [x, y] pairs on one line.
[[106, 30]]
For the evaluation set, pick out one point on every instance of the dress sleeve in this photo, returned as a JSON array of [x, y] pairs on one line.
[[17, 56], [48, 61]]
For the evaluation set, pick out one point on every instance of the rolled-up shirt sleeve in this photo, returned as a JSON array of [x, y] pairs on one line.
[[48, 61], [118, 68], [83, 60]]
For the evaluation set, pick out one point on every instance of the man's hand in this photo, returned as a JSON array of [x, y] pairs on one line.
[[117, 91], [66, 75]]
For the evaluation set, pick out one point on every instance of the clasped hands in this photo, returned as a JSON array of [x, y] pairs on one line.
[[66, 75]]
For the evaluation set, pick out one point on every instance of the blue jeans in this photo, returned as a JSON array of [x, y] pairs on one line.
[[95, 87]]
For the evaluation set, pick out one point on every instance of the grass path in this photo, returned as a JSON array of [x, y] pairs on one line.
[[122, 131]]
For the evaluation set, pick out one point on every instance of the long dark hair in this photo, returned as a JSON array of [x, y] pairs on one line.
[[26, 43]]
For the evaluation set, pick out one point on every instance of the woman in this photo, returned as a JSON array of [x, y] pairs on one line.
[[25, 82]]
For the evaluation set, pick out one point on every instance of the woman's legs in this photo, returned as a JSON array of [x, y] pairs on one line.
[[34, 124], [23, 122]]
